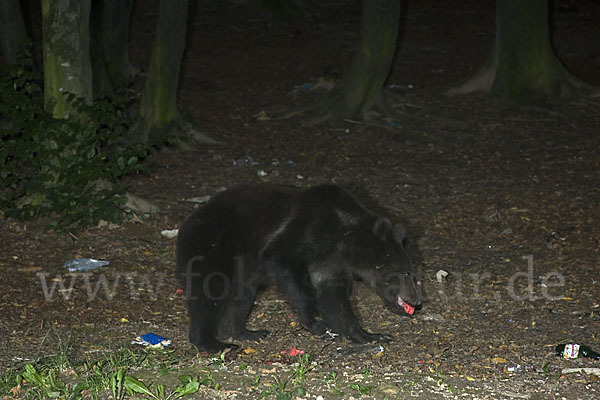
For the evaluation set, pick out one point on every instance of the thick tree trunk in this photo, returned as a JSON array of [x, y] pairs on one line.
[[158, 106], [66, 53], [361, 84], [371, 64], [523, 64], [111, 65], [13, 36]]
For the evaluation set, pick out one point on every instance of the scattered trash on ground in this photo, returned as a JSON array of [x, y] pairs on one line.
[[152, 340], [293, 352], [589, 371], [574, 350], [441, 275], [84, 264], [140, 206], [198, 200], [321, 85], [431, 317], [245, 160], [407, 307], [376, 350], [518, 368], [393, 87], [169, 233]]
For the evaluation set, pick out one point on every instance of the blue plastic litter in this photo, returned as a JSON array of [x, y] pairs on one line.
[[152, 339], [84, 264]]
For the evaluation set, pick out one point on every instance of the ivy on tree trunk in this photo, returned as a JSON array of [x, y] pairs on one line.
[[158, 107], [360, 87], [523, 64], [66, 53]]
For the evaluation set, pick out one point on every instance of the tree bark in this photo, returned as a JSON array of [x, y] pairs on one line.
[[13, 35], [158, 106], [361, 84], [111, 65], [66, 53], [523, 64]]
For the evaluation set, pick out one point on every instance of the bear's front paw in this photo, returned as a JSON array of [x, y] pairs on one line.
[[214, 346], [254, 336], [381, 338], [366, 337], [317, 328]]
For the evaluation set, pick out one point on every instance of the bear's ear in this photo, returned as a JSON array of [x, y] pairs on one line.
[[382, 228], [399, 233]]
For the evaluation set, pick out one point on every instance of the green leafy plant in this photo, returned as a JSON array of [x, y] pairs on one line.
[[304, 366], [47, 385], [67, 169], [117, 384], [332, 378], [9, 381], [281, 391], [188, 385], [361, 389]]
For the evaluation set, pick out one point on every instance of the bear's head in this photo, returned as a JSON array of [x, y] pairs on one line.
[[386, 266]]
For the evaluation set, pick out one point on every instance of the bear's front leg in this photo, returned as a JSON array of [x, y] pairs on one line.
[[235, 313], [334, 306]]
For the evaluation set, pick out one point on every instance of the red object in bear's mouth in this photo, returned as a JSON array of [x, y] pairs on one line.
[[407, 307]]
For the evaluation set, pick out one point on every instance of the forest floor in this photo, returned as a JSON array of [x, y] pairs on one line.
[[504, 197]]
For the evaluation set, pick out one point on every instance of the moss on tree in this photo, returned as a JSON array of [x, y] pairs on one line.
[[523, 64]]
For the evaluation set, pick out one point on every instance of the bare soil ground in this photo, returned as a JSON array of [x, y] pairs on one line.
[[504, 197]]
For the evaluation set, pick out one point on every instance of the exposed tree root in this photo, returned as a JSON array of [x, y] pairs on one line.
[[327, 110], [563, 85], [190, 134], [181, 130], [523, 65]]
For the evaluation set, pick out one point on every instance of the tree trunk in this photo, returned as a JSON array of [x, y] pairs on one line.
[[361, 84], [523, 64], [66, 53], [13, 36], [158, 106], [112, 68]]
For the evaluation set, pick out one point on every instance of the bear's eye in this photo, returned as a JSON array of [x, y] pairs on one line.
[[407, 275], [379, 266]]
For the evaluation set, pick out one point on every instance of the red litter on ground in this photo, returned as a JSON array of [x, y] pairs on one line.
[[407, 307], [293, 352]]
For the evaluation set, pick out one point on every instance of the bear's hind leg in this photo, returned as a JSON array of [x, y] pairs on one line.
[[206, 289]]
